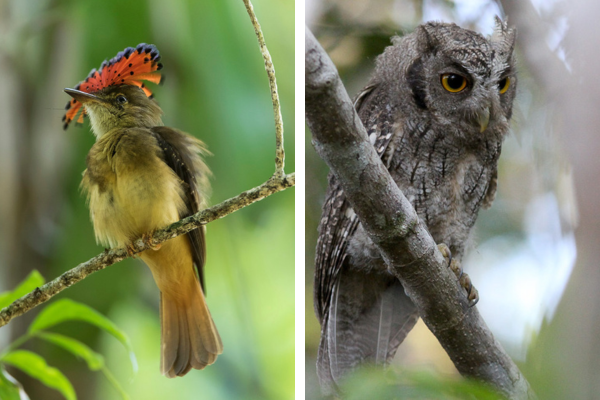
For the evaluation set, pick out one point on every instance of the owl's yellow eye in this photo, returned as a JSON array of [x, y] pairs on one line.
[[503, 85], [454, 83]]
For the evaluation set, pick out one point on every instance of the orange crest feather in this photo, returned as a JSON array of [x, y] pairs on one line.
[[129, 67]]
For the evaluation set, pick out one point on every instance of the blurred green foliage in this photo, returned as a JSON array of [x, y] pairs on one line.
[[34, 365], [413, 384], [216, 88]]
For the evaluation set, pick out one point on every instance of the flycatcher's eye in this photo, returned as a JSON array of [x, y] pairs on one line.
[[503, 85], [121, 99], [454, 83]]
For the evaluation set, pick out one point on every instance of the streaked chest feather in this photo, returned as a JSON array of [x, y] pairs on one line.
[[445, 180]]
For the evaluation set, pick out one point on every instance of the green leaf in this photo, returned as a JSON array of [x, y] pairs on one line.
[[113, 381], [33, 280], [10, 389], [36, 367], [69, 310], [94, 360]]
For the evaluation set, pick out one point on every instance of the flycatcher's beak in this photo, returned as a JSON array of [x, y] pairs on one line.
[[483, 118], [83, 97]]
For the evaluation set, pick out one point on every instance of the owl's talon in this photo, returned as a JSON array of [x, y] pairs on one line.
[[473, 296], [463, 278], [445, 250], [472, 293]]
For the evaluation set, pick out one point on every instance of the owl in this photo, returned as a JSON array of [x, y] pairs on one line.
[[437, 110]]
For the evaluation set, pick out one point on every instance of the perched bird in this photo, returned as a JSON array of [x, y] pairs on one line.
[[436, 110], [142, 176]]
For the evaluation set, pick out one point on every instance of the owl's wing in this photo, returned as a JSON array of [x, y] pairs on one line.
[[364, 316], [337, 224], [338, 221], [181, 152]]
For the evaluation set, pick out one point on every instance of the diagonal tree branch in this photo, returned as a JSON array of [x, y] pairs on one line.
[[278, 182], [393, 225]]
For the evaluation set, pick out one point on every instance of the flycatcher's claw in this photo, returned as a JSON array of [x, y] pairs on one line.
[[131, 250], [147, 238]]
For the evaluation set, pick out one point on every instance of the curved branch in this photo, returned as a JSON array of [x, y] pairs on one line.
[[278, 182], [393, 225], [279, 155]]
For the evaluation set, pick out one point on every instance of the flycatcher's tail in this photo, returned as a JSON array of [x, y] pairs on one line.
[[189, 337]]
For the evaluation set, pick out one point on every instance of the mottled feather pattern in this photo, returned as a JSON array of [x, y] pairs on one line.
[[442, 150], [338, 221]]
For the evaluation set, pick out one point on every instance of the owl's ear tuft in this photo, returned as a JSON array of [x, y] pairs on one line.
[[503, 38], [426, 38]]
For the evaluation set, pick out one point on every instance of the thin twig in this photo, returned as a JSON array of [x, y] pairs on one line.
[[278, 182], [280, 155]]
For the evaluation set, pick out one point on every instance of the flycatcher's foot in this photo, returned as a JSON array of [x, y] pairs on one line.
[[147, 238], [463, 278], [131, 252]]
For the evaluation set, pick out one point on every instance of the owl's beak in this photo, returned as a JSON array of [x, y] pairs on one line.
[[483, 118]]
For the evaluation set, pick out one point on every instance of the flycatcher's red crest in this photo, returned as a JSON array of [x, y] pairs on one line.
[[129, 67]]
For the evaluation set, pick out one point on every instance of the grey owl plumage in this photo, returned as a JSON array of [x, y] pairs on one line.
[[441, 143]]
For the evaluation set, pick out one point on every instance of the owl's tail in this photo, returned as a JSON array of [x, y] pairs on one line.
[[189, 337], [369, 316]]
